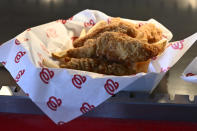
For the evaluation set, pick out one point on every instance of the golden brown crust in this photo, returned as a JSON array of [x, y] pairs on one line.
[[58, 55], [114, 48], [96, 65], [149, 33], [100, 24], [86, 51], [141, 66], [119, 26], [118, 47]]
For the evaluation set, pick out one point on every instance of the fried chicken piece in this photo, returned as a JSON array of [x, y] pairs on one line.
[[103, 23], [86, 51], [141, 66], [100, 24], [116, 25], [149, 33], [89, 53], [118, 47], [60, 54], [96, 65]]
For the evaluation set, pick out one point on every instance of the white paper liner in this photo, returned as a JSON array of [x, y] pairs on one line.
[[190, 73]]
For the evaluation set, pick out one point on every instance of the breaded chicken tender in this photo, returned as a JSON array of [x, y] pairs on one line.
[[96, 65], [86, 51], [118, 47], [114, 47], [116, 25], [149, 33], [100, 24]]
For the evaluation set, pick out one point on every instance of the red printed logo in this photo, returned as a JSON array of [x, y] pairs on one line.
[[86, 107], [51, 33], [78, 80], [17, 42], [46, 75], [90, 23], [64, 21], [74, 38], [18, 56], [178, 45], [54, 103], [189, 74], [111, 86], [3, 63], [18, 76], [164, 70]]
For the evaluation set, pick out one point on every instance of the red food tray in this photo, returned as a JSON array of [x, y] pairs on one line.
[[11, 122]]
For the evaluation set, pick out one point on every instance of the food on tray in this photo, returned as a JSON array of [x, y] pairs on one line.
[[103, 66], [58, 55], [96, 65], [116, 25], [49, 64], [83, 33], [149, 33], [117, 47]]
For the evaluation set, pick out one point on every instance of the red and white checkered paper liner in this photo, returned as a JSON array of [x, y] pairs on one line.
[[190, 73], [64, 94]]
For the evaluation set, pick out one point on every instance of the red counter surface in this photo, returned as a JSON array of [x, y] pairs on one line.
[[23, 122]]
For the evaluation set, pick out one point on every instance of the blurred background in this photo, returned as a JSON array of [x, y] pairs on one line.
[[17, 15], [179, 16]]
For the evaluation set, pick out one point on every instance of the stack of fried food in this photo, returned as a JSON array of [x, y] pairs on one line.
[[117, 48]]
